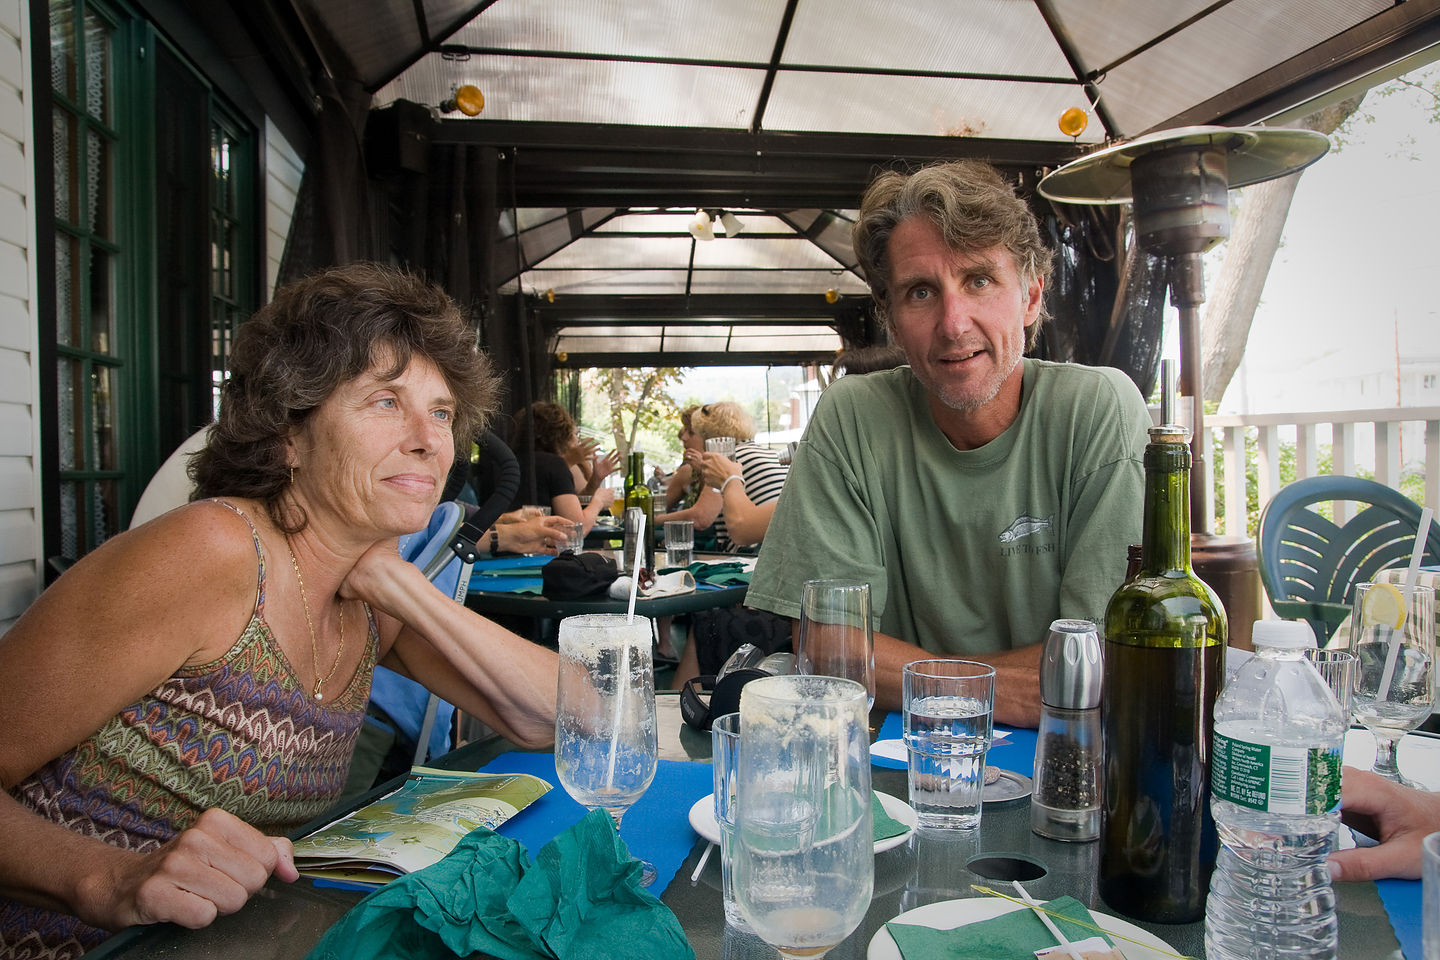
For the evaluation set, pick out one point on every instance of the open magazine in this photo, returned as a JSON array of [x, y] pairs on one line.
[[415, 826]]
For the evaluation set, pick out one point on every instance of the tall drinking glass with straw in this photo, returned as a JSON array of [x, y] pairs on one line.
[[605, 738], [1393, 638]]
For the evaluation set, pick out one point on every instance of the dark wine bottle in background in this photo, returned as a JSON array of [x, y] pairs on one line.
[[1165, 635], [637, 495]]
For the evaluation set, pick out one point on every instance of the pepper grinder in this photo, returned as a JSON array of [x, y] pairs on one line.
[[1069, 752]]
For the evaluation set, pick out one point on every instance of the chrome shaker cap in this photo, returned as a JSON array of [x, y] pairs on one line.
[[1070, 668]]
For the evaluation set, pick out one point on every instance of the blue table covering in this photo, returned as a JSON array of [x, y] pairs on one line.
[[503, 575], [522, 575], [1017, 752], [656, 829]]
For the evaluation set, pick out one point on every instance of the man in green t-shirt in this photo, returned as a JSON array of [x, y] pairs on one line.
[[980, 494]]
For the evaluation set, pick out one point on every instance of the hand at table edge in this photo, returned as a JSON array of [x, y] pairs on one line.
[[1398, 817], [208, 870]]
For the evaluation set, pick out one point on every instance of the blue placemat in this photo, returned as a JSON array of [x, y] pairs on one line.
[[1402, 904], [502, 575], [656, 829]]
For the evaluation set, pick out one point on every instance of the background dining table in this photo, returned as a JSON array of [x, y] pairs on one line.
[[284, 921]]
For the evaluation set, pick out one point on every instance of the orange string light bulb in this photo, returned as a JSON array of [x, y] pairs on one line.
[[1073, 122], [469, 100]]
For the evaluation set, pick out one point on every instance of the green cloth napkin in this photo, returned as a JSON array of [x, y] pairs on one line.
[[581, 900], [1017, 934], [886, 826], [725, 574]]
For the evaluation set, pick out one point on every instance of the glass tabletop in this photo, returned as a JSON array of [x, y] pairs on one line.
[[284, 921]]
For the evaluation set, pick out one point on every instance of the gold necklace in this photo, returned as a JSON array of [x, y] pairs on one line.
[[314, 646]]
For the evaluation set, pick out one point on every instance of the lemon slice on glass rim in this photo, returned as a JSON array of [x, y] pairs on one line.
[[1383, 606]]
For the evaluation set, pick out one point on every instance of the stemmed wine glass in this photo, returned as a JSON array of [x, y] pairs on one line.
[[835, 637], [1393, 637], [605, 743], [803, 849]]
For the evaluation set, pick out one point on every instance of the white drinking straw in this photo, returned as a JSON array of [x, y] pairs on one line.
[[1412, 579], [1049, 924], [699, 867], [622, 682]]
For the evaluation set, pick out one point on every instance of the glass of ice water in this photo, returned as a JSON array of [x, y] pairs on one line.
[[1393, 638], [948, 705], [804, 850], [605, 737]]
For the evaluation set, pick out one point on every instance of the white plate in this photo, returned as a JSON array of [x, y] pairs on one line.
[[949, 914], [702, 818]]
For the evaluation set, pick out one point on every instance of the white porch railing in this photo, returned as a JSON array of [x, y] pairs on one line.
[[1381, 441]]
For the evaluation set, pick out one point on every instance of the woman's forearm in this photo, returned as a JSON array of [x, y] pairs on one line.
[[745, 523]]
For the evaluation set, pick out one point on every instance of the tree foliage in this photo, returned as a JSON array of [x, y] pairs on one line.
[[635, 400], [1422, 87]]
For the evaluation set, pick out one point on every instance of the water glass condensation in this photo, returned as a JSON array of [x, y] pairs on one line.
[[1430, 893], [1337, 669], [725, 765], [725, 446], [804, 847], [835, 637], [679, 543], [948, 708]]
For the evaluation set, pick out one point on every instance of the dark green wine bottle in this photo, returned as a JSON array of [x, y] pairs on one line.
[[1165, 635], [637, 494]]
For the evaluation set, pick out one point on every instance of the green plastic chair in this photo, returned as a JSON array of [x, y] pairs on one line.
[[1310, 566]]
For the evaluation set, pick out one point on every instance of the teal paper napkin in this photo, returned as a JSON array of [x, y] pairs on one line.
[[886, 826], [581, 900], [1016, 934], [726, 573]]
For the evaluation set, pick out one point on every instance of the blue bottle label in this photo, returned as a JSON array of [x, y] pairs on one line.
[[1275, 779]]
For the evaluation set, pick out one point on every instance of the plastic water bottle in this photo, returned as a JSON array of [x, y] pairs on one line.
[[1275, 797]]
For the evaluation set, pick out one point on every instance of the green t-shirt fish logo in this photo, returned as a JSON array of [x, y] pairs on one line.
[[1024, 526]]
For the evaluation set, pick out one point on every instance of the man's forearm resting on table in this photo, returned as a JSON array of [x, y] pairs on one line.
[[1017, 677]]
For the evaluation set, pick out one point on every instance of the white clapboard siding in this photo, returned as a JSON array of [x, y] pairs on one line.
[[283, 168], [20, 546]]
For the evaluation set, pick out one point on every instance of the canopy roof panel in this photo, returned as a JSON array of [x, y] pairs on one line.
[[620, 119]]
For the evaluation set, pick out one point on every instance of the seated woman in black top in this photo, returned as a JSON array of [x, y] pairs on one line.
[[551, 429]]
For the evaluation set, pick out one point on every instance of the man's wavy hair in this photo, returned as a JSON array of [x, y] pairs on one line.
[[553, 425], [724, 419], [316, 334], [971, 205]]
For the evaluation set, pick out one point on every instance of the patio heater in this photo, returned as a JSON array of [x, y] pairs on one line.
[[1178, 181]]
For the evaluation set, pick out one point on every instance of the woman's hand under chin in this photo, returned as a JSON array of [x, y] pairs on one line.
[[378, 569]]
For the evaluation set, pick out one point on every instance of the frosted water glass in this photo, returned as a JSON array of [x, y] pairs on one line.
[[605, 735], [804, 848]]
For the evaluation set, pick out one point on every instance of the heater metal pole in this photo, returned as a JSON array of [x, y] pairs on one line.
[[1187, 292]]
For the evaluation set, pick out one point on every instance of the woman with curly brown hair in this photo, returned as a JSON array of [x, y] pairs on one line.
[[192, 690]]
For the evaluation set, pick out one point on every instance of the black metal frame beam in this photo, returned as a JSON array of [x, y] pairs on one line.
[[791, 358], [796, 308], [576, 165]]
